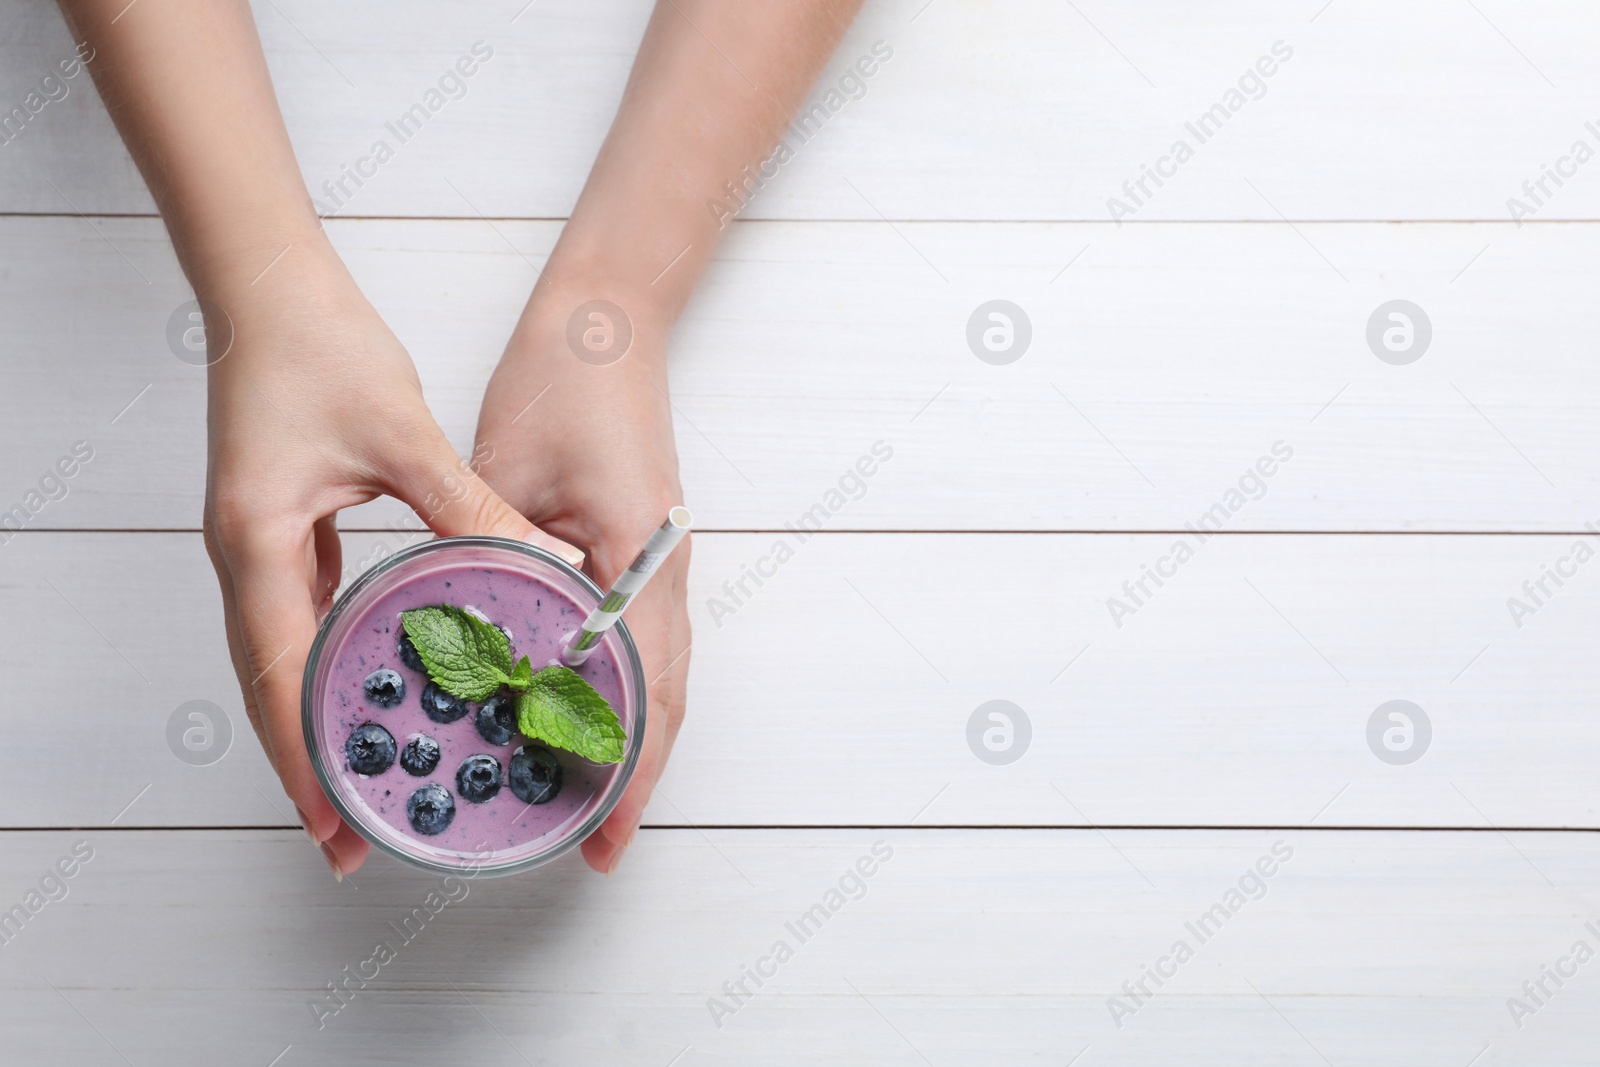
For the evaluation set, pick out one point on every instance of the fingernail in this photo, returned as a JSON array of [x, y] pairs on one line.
[[571, 553], [333, 862], [615, 861], [305, 824], [631, 835]]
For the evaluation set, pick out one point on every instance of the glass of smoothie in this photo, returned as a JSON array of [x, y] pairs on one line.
[[447, 784]]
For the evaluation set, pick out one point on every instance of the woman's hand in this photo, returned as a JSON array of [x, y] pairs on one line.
[[315, 407], [586, 452], [592, 460]]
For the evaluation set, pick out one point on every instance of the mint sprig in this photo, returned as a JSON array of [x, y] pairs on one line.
[[560, 708], [471, 659], [465, 656]]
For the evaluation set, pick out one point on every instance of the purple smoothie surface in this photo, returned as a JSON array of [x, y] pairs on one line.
[[537, 617]]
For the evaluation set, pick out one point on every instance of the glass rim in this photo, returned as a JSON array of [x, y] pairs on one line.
[[471, 867]]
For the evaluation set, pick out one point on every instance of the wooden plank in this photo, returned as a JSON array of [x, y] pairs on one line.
[[810, 343], [841, 691], [962, 946], [1398, 104]]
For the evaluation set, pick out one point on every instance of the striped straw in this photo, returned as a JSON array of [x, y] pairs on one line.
[[581, 645]]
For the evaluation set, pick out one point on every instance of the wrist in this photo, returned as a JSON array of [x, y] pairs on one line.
[[583, 319], [274, 295], [647, 255], [231, 257], [571, 280]]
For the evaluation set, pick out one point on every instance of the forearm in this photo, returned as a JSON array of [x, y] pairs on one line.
[[187, 85], [711, 93]]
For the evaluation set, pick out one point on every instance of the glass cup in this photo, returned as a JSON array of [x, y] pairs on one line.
[[538, 599]]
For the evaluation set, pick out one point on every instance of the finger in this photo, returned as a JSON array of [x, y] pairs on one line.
[[345, 852], [344, 841], [674, 677], [274, 571], [605, 848], [241, 670], [556, 547], [658, 620], [450, 497]]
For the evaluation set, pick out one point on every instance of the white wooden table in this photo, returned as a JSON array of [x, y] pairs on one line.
[[1221, 729]]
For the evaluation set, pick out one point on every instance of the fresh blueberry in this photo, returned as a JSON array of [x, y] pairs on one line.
[[431, 809], [370, 749], [535, 775], [409, 655], [420, 756], [441, 706], [385, 688], [497, 720], [478, 778]]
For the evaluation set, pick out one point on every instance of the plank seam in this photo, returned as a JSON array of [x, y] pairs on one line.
[[1074, 532], [906, 221], [997, 827]]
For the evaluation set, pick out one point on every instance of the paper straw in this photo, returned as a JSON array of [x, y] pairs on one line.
[[581, 645]]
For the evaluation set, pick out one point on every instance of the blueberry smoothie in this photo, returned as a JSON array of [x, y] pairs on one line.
[[439, 780]]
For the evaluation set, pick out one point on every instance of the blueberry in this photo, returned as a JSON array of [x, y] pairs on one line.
[[497, 720], [409, 655], [385, 688], [370, 749], [478, 778], [420, 756], [441, 706], [431, 809], [535, 775]]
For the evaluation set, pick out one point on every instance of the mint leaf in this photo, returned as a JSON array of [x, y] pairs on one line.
[[522, 675], [561, 709], [465, 656]]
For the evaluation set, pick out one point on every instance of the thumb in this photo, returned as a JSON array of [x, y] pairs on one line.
[[447, 494]]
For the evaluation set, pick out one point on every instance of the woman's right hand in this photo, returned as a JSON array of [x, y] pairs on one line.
[[315, 406], [585, 449]]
